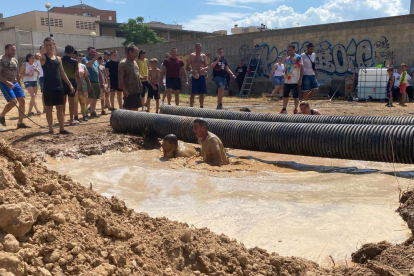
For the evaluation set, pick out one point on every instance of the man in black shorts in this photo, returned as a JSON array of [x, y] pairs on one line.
[[129, 79], [111, 69], [53, 88], [173, 67], [293, 78], [71, 68]]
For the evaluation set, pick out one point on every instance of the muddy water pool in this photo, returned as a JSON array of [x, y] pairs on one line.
[[293, 205]]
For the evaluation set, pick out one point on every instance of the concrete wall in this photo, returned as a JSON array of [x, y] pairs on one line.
[[340, 48], [7, 36], [24, 39], [25, 21]]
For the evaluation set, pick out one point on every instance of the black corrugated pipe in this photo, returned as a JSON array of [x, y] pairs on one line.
[[297, 118], [359, 142]]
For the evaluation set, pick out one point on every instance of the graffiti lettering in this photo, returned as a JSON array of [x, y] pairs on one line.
[[382, 44], [330, 59], [384, 55], [244, 52]]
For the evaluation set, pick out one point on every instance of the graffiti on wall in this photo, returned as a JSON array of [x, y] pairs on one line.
[[331, 59], [383, 53]]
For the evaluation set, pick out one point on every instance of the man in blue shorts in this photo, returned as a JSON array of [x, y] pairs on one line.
[[220, 67], [309, 82], [197, 64], [10, 85]]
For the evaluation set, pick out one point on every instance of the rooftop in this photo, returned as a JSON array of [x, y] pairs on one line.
[[82, 6]]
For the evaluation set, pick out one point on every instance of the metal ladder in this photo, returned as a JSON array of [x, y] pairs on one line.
[[255, 57]]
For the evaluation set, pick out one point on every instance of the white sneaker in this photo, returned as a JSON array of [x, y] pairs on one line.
[[162, 103]]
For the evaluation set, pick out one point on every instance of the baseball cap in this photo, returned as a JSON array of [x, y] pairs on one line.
[[107, 53]]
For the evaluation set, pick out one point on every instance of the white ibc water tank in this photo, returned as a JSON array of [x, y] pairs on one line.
[[372, 82]]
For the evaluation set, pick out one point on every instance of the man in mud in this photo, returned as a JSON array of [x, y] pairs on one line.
[[212, 148], [174, 148], [197, 64]]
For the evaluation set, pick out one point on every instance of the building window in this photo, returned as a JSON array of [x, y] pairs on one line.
[[110, 17], [85, 25], [176, 37], [54, 22], [87, 14]]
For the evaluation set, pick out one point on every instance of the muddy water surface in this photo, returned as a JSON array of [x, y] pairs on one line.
[[301, 206]]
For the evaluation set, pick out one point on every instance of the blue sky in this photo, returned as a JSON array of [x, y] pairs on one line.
[[208, 15]]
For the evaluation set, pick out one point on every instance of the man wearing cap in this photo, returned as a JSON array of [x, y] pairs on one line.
[[106, 58], [197, 64], [309, 82]]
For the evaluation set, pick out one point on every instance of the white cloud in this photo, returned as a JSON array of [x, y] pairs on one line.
[[284, 16], [213, 22], [237, 3], [116, 2], [331, 11]]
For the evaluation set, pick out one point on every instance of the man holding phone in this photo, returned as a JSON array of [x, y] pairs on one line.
[[95, 76]]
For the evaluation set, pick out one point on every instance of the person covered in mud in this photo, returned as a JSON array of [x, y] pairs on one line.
[[306, 110], [212, 148], [174, 148]]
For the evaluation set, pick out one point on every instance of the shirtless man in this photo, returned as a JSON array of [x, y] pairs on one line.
[[212, 148], [306, 110], [173, 148], [197, 64]]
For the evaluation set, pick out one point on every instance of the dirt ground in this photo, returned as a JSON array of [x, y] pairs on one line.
[[50, 225]]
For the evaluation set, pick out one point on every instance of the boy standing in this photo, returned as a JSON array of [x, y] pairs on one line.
[[403, 83], [153, 80]]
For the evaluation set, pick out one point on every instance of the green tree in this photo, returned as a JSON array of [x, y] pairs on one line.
[[138, 32]]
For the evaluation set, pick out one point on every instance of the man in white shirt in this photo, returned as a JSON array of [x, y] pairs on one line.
[[397, 75], [409, 88], [309, 82]]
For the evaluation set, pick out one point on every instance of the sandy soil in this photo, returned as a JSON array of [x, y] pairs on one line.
[[51, 225]]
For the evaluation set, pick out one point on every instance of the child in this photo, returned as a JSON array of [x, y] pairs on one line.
[[390, 87], [306, 110], [403, 83], [153, 79]]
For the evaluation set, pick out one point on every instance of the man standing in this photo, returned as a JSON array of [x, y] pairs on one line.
[[197, 64], [91, 62], [293, 79], [240, 74], [212, 148], [220, 67], [129, 79], [309, 82], [53, 89], [10, 85], [71, 68], [173, 67], [111, 69]]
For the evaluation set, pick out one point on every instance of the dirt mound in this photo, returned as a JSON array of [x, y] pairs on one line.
[[95, 140], [50, 225], [61, 228]]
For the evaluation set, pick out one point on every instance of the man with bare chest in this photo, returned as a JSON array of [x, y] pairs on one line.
[[197, 64]]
